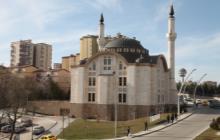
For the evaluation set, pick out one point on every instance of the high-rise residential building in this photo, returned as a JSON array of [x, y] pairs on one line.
[[24, 52], [42, 56], [88, 46], [68, 61]]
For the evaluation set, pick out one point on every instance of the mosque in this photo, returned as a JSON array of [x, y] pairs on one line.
[[123, 80]]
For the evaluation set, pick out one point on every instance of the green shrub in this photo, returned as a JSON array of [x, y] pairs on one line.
[[215, 124]]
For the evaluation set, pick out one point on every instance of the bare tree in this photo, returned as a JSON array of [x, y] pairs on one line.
[[14, 92]]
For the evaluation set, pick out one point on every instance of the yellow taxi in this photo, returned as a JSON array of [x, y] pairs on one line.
[[48, 137]]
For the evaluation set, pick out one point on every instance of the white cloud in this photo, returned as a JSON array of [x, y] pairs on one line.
[[196, 46], [24, 19], [201, 52], [106, 4]]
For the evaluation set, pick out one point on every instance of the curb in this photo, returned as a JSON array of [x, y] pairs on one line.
[[164, 126], [47, 130]]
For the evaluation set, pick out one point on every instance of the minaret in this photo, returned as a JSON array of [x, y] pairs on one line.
[[171, 35], [101, 38]]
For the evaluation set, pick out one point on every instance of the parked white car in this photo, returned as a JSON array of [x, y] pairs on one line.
[[189, 102], [198, 101]]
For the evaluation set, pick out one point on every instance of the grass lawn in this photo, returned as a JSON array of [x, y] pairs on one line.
[[92, 129], [209, 134]]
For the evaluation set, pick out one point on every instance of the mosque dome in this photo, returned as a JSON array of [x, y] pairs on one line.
[[124, 43]]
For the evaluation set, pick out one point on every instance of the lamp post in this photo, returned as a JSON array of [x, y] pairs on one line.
[[187, 83], [197, 83], [115, 103], [180, 90], [182, 74]]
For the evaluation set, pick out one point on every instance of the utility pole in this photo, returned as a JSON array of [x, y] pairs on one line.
[[115, 108], [63, 124]]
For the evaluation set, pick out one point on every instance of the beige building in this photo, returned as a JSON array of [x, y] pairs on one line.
[[57, 66], [88, 46], [68, 61], [62, 78], [24, 71], [24, 52], [42, 56]]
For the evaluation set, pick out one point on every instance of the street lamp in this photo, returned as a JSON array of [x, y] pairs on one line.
[[180, 90], [187, 83], [182, 74], [197, 83], [115, 104]]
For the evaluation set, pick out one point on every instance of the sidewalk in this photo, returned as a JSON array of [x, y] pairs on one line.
[[156, 128]]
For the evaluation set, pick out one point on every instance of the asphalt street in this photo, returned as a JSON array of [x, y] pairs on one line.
[[187, 129]]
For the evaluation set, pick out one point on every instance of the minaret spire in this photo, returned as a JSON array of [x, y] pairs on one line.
[[101, 33], [171, 36], [171, 11], [101, 19]]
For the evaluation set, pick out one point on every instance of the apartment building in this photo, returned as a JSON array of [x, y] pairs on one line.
[[24, 52], [88, 46], [68, 61]]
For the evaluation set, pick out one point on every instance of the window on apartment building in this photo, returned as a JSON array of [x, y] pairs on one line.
[[94, 66], [92, 81], [122, 98], [107, 63], [158, 98], [91, 97], [122, 81], [162, 96]]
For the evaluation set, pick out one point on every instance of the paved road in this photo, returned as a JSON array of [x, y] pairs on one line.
[[57, 129], [187, 129]]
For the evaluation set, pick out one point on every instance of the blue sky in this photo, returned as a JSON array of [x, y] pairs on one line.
[[62, 22]]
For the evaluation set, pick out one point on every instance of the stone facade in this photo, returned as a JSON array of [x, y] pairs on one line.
[[146, 88], [97, 111]]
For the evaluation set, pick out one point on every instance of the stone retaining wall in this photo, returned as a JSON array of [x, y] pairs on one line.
[[97, 111]]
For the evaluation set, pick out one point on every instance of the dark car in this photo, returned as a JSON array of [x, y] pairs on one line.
[[214, 103], [8, 128], [27, 122], [3, 124], [19, 128], [37, 130]]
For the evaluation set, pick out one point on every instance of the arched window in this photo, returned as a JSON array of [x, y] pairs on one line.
[[120, 65], [93, 66], [107, 63]]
